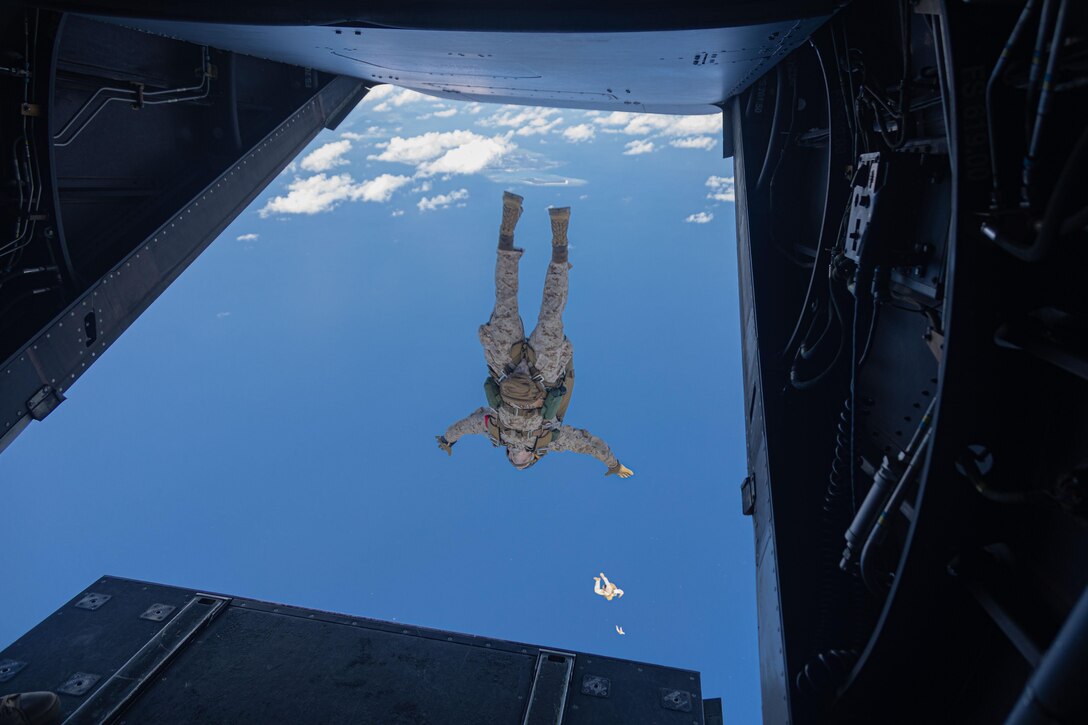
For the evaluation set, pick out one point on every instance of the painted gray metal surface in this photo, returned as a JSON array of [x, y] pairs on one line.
[[66, 347], [676, 71], [773, 675], [551, 682], [126, 684], [221, 659]]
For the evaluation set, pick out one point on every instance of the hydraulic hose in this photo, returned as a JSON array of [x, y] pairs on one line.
[[999, 68], [1053, 224], [1044, 103], [878, 494], [799, 383], [776, 122], [1046, 20], [880, 530]]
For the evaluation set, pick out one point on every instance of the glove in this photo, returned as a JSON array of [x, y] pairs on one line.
[[445, 444], [620, 470]]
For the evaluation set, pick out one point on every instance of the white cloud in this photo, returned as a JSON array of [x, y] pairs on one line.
[[379, 189], [380, 92], [526, 121], [221, 315], [700, 218], [642, 124], [441, 113], [550, 180], [638, 146], [539, 126], [248, 237], [326, 157], [581, 132], [694, 142], [422, 188], [442, 200], [312, 195], [469, 158], [397, 212], [372, 132], [474, 108], [721, 188], [321, 193], [386, 97], [449, 152], [615, 118], [417, 149]]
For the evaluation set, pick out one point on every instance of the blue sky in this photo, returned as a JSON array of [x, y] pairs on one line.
[[267, 428]]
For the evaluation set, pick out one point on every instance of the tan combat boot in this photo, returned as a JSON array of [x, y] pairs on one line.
[[560, 220], [30, 708], [511, 212]]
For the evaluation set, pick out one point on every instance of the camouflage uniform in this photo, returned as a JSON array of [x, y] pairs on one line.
[[505, 328], [570, 438], [553, 350]]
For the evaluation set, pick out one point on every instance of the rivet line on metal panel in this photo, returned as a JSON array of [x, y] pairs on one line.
[[160, 237]]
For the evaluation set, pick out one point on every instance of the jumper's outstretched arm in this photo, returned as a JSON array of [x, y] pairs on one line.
[[582, 441], [476, 423]]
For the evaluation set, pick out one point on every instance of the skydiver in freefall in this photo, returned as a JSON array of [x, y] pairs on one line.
[[609, 589], [531, 379]]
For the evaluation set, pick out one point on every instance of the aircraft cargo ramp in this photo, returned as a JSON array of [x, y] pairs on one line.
[[132, 651]]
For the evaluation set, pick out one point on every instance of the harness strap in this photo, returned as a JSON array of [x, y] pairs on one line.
[[544, 437], [521, 351]]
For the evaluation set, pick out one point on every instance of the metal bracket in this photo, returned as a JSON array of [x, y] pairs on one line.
[[748, 496], [43, 402], [863, 202], [596, 686], [729, 147], [675, 700], [10, 668], [128, 682], [935, 342], [548, 696], [93, 601], [79, 683], [158, 612]]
